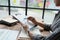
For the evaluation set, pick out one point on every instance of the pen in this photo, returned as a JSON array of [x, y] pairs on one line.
[[33, 27]]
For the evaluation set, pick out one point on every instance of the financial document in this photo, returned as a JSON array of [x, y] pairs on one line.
[[35, 31], [23, 19]]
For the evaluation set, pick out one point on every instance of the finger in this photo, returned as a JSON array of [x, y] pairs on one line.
[[30, 17]]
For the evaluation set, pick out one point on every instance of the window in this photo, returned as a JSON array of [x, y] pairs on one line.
[[37, 8], [20, 3], [3, 12], [35, 13], [49, 16], [36, 3], [4, 2], [51, 5], [17, 11]]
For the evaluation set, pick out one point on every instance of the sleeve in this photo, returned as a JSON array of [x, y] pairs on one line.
[[47, 27], [54, 35], [37, 37]]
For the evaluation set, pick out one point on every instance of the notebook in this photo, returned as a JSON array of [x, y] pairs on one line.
[[10, 20], [6, 34]]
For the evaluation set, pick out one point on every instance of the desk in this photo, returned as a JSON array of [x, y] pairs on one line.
[[17, 27]]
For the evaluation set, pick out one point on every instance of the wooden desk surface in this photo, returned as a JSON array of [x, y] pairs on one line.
[[17, 27]]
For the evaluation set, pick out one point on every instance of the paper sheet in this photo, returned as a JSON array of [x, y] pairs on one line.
[[23, 33], [22, 19], [35, 31], [8, 34]]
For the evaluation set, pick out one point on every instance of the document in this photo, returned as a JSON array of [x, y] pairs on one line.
[[35, 31], [23, 33], [20, 17], [23, 19], [6, 34]]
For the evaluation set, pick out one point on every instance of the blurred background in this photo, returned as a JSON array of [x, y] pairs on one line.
[[40, 9]]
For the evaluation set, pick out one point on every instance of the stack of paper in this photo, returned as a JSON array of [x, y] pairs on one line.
[[8, 34]]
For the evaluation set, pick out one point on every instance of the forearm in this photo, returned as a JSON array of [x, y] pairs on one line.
[[40, 24], [44, 26]]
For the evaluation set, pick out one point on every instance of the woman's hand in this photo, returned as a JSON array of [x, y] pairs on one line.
[[25, 27], [32, 19], [41, 24]]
